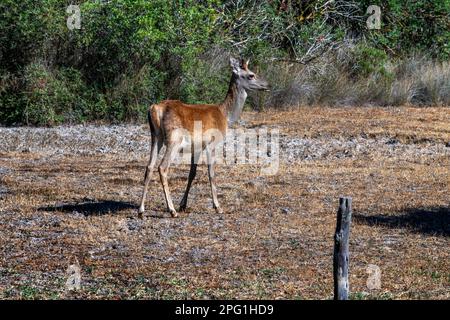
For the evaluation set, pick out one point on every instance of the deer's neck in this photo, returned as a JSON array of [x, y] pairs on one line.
[[234, 101]]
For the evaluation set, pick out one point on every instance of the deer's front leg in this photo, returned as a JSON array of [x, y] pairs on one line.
[[192, 172], [211, 157]]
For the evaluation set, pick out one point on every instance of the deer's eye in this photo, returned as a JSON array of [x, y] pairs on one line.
[[251, 76]]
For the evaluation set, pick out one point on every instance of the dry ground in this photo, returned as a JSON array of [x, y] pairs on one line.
[[68, 195]]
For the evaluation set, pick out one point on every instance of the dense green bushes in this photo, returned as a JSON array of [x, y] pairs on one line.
[[129, 54], [413, 25]]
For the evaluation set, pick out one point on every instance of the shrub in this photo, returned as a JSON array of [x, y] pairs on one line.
[[328, 81], [129, 54]]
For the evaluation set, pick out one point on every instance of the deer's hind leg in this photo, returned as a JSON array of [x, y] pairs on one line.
[[155, 148], [171, 151]]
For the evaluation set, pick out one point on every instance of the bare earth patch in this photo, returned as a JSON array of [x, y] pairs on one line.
[[69, 195]]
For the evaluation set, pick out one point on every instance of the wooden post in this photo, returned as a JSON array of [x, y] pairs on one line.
[[340, 258]]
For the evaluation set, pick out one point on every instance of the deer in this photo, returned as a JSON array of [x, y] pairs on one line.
[[171, 120]]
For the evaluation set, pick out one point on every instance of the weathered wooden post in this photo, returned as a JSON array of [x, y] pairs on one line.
[[340, 258]]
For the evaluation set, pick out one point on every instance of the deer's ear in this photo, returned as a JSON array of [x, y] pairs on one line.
[[235, 66], [244, 64]]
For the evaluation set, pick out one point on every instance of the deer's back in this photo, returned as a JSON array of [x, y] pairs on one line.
[[174, 114]]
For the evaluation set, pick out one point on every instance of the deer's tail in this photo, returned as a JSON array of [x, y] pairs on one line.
[[153, 120], [155, 114]]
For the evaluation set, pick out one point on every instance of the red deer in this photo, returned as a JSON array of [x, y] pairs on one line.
[[170, 119]]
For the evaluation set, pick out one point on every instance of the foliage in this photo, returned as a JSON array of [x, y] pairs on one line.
[[418, 25], [129, 54]]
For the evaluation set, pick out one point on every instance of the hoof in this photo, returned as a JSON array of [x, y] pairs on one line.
[[182, 208], [219, 210], [173, 213]]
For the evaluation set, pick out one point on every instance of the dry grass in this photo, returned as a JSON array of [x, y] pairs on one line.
[[331, 81], [276, 239]]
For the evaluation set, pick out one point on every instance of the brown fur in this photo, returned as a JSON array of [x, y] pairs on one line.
[[166, 117], [173, 114]]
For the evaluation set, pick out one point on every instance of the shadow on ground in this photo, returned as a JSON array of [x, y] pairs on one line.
[[427, 221], [92, 208]]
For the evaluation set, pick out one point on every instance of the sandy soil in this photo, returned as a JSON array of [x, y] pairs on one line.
[[69, 195]]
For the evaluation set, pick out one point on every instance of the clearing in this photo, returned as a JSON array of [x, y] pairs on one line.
[[69, 195]]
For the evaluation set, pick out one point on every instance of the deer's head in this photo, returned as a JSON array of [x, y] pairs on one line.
[[245, 78]]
